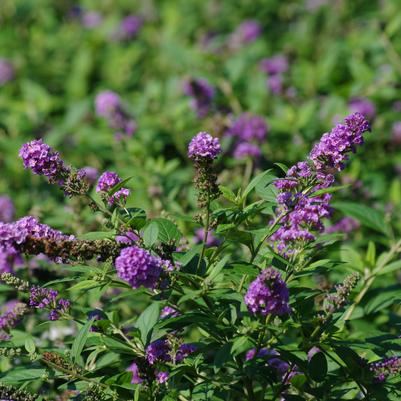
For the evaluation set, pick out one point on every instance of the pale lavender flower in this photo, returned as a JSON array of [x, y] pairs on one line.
[[211, 239], [274, 65], [245, 149], [134, 369], [247, 32], [91, 19], [162, 377], [7, 72], [7, 210], [201, 93], [363, 106]]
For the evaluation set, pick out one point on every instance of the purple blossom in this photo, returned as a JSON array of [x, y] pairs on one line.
[[386, 367], [248, 128], [136, 378], [91, 19], [12, 235], [346, 226], [245, 149], [107, 181], [43, 160], [204, 146], [211, 239], [138, 267], [274, 65], [7, 72], [247, 32], [108, 105], [11, 314], [7, 209], [202, 94], [128, 238], [268, 294], [363, 106], [183, 351], [169, 312], [162, 377], [95, 314], [44, 298], [158, 351], [331, 152], [275, 84], [129, 27], [90, 174], [313, 351], [262, 353]]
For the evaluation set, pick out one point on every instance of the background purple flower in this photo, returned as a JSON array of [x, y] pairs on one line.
[[7, 210], [247, 32], [202, 94], [274, 65], [7, 72], [211, 239], [364, 106]]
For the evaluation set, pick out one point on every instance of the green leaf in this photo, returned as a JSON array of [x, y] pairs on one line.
[[367, 216], [95, 235], [265, 177], [84, 285], [147, 320], [80, 340], [22, 374], [151, 234], [371, 254], [318, 367], [328, 190], [228, 193], [118, 186], [168, 231], [30, 345]]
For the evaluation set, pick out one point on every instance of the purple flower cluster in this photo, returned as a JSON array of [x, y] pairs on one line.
[[91, 19], [268, 294], [134, 369], [128, 28], [169, 312], [7, 209], [201, 93], [160, 351], [396, 133], [108, 105], [44, 298], [11, 313], [204, 146], [300, 212], [247, 32], [273, 360], [385, 368], [346, 226], [250, 131], [12, 235], [275, 67], [90, 174], [138, 267], [7, 72], [43, 160], [106, 182]]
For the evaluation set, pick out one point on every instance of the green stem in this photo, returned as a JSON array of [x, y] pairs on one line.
[[205, 234]]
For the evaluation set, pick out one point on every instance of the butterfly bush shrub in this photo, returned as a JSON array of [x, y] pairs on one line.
[[138, 312]]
